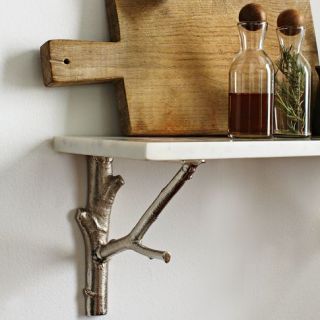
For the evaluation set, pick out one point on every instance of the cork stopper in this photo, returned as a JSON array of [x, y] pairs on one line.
[[289, 22], [253, 14]]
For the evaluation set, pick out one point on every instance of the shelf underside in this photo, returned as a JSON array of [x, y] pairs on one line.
[[175, 149]]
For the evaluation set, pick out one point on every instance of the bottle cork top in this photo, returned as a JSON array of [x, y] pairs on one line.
[[253, 13], [289, 21]]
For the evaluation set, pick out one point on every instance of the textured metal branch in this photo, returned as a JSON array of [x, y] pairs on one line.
[[94, 224], [133, 240]]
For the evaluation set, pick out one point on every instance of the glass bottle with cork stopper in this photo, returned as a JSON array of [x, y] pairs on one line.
[[251, 79], [293, 79]]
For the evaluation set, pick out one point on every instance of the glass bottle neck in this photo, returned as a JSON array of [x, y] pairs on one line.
[[291, 38], [252, 35]]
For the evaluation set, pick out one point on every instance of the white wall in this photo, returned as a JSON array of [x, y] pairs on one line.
[[245, 235]]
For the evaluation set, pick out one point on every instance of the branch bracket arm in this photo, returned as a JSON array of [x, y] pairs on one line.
[[133, 240]]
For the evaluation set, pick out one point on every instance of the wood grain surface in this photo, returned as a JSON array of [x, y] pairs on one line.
[[169, 60]]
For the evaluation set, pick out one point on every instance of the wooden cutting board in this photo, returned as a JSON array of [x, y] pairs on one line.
[[169, 60]]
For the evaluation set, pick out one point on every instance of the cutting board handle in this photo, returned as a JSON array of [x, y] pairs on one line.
[[68, 62]]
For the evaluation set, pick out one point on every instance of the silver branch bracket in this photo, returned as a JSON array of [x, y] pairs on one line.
[[95, 219]]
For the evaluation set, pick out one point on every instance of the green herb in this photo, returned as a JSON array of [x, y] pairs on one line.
[[290, 89]]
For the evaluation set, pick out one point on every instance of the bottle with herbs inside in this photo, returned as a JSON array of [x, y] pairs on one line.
[[293, 79], [251, 79]]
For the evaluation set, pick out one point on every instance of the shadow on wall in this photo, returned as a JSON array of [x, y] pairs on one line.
[[23, 70], [92, 109], [36, 244], [79, 261]]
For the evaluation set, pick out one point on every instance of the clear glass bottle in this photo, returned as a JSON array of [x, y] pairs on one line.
[[251, 85], [293, 86]]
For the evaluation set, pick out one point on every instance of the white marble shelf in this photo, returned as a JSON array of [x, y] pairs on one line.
[[175, 149]]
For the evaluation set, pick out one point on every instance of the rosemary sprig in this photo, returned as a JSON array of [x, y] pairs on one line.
[[290, 89]]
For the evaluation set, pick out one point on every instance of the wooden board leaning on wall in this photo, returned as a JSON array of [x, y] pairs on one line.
[[169, 61]]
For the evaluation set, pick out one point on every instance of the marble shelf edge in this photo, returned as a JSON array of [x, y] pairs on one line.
[[177, 149]]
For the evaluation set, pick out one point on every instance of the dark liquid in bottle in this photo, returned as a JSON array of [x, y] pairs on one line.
[[250, 115]]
